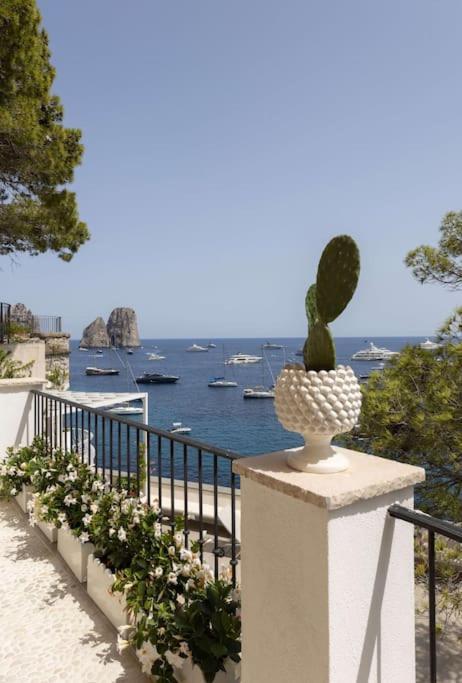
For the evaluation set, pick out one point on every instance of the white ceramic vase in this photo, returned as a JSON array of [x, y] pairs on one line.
[[74, 553], [99, 584], [317, 405]]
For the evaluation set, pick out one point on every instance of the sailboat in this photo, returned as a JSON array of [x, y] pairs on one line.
[[261, 391], [221, 382]]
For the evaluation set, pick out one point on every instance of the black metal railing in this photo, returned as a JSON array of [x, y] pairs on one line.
[[5, 322], [47, 324], [433, 526], [188, 478]]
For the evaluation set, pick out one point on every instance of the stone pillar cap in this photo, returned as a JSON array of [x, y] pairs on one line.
[[367, 477]]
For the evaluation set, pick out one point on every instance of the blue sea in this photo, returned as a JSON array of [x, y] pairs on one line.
[[220, 417]]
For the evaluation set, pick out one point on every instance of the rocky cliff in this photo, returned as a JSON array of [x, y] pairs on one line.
[[95, 334], [21, 315], [122, 328]]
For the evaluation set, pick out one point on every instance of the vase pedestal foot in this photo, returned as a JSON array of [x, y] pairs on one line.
[[318, 457]]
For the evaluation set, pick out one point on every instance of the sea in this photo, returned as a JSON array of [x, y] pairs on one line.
[[219, 417]]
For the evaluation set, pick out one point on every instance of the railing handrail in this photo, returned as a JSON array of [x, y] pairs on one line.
[[53, 323], [419, 518], [200, 445]]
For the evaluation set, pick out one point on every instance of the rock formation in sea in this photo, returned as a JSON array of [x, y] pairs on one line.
[[122, 328], [95, 335]]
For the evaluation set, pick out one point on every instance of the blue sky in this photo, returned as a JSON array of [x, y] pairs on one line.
[[226, 142]]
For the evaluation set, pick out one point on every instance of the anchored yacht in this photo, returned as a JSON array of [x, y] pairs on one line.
[[101, 371], [272, 345], [179, 428], [196, 347], [221, 383], [155, 356], [429, 345], [373, 352], [258, 392], [126, 409], [243, 359]]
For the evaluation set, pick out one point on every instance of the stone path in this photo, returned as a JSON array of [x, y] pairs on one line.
[[50, 630]]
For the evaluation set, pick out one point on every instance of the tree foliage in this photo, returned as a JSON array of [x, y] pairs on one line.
[[441, 264], [412, 412], [38, 154]]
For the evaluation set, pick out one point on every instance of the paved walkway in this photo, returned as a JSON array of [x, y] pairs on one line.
[[51, 632]]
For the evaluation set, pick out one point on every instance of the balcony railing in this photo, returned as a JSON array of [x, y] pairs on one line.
[[188, 478], [47, 324], [433, 526], [5, 310]]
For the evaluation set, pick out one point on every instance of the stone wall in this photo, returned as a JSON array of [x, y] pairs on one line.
[[57, 353]]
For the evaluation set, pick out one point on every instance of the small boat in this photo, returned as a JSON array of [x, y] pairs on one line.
[[272, 345], [243, 359], [299, 352], [221, 382], [196, 347], [178, 428], [211, 345], [99, 352], [82, 348], [155, 356], [429, 345], [377, 368], [130, 352], [156, 378], [101, 371], [373, 352], [258, 392], [125, 409]]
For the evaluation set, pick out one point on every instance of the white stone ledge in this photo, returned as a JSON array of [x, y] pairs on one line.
[[21, 382], [367, 477]]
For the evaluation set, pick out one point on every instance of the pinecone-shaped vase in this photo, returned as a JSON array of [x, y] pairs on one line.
[[317, 405]]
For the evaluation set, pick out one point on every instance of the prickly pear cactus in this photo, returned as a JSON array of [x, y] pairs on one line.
[[336, 281]]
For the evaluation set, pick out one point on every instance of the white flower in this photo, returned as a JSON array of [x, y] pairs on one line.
[[62, 478], [122, 644], [136, 519], [184, 648], [84, 507], [172, 578], [69, 500], [94, 507], [174, 659], [186, 555], [111, 532], [84, 537], [186, 569], [161, 631], [147, 654], [158, 571], [86, 519], [157, 530], [178, 540], [180, 599], [122, 534], [72, 476], [14, 492], [172, 551], [62, 517]]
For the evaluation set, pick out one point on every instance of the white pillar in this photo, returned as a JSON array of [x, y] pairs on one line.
[[327, 576], [17, 411]]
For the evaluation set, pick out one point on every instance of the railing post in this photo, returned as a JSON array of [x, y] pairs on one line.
[[327, 576]]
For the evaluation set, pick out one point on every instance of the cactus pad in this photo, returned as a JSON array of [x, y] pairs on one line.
[[319, 349], [310, 305], [337, 278]]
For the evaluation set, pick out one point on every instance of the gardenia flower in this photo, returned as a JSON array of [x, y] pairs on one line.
[[172, 578], [186, 569], [158, 571], [161, 631], [186, 555], [69, 500], [122, 534], [61, 478], [184, 648], [178, 540], [122, 644], [14, 492], [147, 654], [84, 507], [157, 530], [94, 507], [180, 599], [62, 517], [86, 519], [111, 532], [84, 537], [72, 476], [172, 551]]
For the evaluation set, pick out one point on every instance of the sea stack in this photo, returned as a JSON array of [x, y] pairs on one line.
[[95, 335], [122, 328]]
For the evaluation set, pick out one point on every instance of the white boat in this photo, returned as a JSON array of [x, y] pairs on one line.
[[299, 352], [125, 409], [429, 345], [178, 428], [211, 345], [243, 359], [82, 348], [373, 352], [258, 392], [196, 347], [221, 383], [155, 356], [376, 368]]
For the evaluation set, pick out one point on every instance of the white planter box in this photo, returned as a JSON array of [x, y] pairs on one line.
[[99, 583], [24, 497], [193, 674], [50, 531], [74, 553]]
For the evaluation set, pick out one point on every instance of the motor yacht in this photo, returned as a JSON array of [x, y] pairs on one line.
[[429, 345], [101, 371], [126, 409], [258, 392], [373, 352], [221, 382], [130, 352], [211, 345], [243, 359], [156, 378], [196, 347], [272, 345], [82, 348], [155, 356], [179, 428]]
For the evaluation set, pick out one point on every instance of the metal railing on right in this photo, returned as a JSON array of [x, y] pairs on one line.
[[188, 478], [5, 322], [47, 324], [433, 526]]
